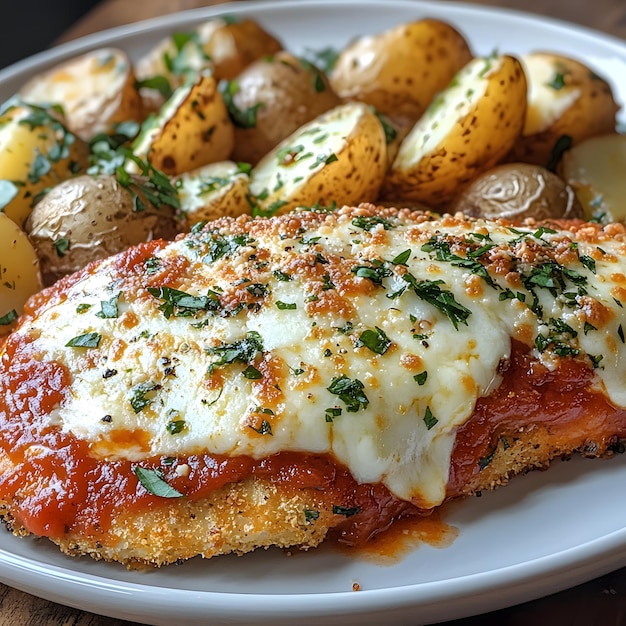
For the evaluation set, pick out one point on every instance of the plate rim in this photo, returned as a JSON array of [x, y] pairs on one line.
[[606, 550]]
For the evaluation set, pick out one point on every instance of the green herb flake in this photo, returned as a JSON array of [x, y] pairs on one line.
[[350, 392], [8, 191], [175, 427], [286, 306], [83, 308], [368, 223], [88, 340], [282, 276], [310, 515], [264, 429], [429, 419], [182, 304], [152, 481], [402, 258], [108, 308], [8, 318], [252, 373], [420, 378], [242, 351], [62, 245], [331, 413], [346, 511], [375, 340], [140, 397]]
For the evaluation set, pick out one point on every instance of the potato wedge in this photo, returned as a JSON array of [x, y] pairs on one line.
[[339, 157], [96, 90], [401, 70], [565, 97], [191, 129], [468, 129], [212, 191], [271, 99], [595, 170], [19, 272], [37, 151]]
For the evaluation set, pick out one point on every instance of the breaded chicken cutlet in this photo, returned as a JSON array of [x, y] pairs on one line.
[[278, 381]]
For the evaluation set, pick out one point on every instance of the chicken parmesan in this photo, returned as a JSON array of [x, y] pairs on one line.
[[278, 381]]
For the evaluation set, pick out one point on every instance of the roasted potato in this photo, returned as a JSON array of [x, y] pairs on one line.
[[92, 217], [468, 128], [212, 191], [595, 170], [401, 70], [19, 272], [339, 157], [565, 98], [224, 47], [271, 99], [192, 129], [515, 191], [96, 91], [37, 151]]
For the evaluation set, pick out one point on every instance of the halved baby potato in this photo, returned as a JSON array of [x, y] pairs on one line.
[[37, 151], [19, 272], [192, 129], [271, 99], [215, 190], [468, 128], [225, 47], [96, 91], [565, 98], [401, 70], [595, 170], [339, 157]]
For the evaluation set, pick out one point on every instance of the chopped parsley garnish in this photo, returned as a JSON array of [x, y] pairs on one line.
[[347, 511], [158, 82], [431, 292], [286, 306], [402, 258], [243, 118], [252, 373], [420, 378], [8, 318], [310, 515], [152, 481], [282, 276], [62, 245], [88, 340], [557, 82], [83, 307], [332, 413], [108, 308], [182, 304], [374, 272], [242, 351], [140, 397], [429, 419], [175, 427], [375, 340], [258, 290], [264, 429], [350, 392], [369, 222]]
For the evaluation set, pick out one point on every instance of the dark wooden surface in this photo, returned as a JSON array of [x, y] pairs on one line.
[[601, 602]]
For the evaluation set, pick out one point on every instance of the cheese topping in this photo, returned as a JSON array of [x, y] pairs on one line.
[[366, 334]]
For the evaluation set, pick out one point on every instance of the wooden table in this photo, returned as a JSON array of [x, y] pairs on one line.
[[601, 602]]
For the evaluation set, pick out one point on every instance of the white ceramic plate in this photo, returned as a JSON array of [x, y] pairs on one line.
[[541, 534]]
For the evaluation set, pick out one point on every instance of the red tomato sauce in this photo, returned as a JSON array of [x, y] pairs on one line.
[[56, 485]]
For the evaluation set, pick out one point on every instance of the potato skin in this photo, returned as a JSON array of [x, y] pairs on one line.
[[192, 130], [287, 92], [96, 90], [516, 191], [401, 70], [483, 133], [92, 217], [589, 106]]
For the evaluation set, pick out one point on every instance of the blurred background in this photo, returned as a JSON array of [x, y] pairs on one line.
[[33, 25]]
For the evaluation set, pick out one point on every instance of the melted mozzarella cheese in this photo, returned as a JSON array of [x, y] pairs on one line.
[[177, 382]]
